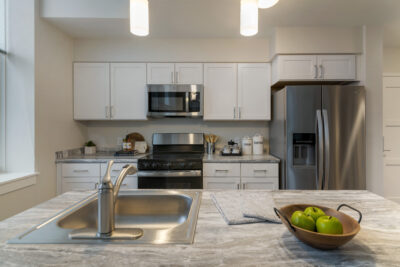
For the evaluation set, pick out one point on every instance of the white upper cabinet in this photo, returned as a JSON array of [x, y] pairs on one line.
[[128, 91], [160, 73], [189, 73], [337, 67], [175, 73], [91, 91], [314, 68], [220, 91], [254, 91], [297, 67]]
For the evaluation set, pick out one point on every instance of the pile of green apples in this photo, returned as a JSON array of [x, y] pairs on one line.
[[314, 219]]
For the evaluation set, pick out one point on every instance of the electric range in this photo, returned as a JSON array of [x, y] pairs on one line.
[[176, 162]]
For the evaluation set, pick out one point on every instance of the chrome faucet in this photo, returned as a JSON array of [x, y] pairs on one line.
[[107, 197]]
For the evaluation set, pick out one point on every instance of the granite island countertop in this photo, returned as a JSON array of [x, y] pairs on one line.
[[216, 243]]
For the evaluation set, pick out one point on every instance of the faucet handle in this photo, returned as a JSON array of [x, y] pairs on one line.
[[107, 176]]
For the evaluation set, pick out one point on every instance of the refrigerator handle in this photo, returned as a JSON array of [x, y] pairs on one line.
[[326, 148], [320, 149]]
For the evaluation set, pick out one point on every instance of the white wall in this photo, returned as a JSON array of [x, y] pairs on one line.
[[173, 50], [391, 59], [49, 89], [106, 134], [315, 40], [373, 50]]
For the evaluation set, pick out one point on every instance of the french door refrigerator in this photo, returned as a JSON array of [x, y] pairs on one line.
[[318, 132]]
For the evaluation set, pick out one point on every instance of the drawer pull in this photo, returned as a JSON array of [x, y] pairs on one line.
[[221, 171], [244, 186], [238, 186], [393, 164], [80, 170], [260, 170]]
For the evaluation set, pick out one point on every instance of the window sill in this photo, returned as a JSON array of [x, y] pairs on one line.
[[14, 181]]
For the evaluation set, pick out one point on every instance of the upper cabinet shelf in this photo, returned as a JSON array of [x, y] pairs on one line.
[[314, 68]]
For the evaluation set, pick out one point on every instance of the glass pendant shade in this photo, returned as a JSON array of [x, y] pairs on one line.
[[267, 3], [248, 17], [139, 17]]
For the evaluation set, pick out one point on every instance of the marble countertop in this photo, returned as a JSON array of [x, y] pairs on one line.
[[217, 158], [216, 243], [99, 158]]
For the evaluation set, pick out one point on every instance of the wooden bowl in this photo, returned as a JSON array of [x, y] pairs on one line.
[[318, 240]]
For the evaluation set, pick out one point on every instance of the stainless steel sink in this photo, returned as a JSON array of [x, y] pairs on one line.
[[163, 216]]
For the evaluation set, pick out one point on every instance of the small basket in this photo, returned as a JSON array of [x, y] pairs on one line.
[[319, 240]]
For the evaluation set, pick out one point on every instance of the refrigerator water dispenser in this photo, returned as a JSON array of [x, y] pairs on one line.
[[303, 149]]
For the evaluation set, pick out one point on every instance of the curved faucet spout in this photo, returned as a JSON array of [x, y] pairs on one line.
[[126, 170]]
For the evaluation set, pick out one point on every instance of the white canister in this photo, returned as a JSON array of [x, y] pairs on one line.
[[258, 144], [247, 145]]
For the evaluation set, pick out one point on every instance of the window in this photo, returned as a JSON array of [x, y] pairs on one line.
[[2, 81]]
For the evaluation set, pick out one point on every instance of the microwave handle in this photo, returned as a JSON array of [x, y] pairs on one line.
[[187, 99]]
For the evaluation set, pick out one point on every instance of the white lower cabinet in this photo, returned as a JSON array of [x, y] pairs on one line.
[[221, 183], [86, 176], [245, 176]]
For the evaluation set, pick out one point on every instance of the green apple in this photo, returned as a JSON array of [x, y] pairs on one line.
[[329, 225], [314, 212], [300, 219]]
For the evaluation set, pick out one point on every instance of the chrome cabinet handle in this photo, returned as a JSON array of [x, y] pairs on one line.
[[240, 112], [234, 112], [392, 164], [316, 72], [80, 170], [260, 170], [237, 186], [383, 145], [106, 111], [221, 170], [172, 77], [176, 77], [244, 186], [322, 71], [112, 111]]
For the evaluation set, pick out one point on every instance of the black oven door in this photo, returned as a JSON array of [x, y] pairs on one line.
[[192, 179], [167, 102]]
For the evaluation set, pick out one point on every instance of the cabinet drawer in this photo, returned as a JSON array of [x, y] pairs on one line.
[[115, 169], [250, 183], [79, 184], [81, 170], [259, 170], [221, 183], [221, 169]]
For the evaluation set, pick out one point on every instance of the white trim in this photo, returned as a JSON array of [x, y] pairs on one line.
[[13, 181], [391, 74]]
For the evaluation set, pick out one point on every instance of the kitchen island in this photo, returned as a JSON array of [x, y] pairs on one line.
[[216, 243]]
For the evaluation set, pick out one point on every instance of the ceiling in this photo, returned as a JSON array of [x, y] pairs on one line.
[[220, 18]]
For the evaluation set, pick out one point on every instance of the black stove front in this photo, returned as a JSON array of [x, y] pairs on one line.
[[176, 163]]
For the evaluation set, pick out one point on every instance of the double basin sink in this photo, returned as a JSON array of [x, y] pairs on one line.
[[162, 217]]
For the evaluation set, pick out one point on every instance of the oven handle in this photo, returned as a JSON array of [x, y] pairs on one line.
[[169, 173]]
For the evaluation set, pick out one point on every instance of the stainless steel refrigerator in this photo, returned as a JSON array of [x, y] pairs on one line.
[[318, 132]]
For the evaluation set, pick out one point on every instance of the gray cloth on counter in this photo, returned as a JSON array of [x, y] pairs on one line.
[[245, 207]]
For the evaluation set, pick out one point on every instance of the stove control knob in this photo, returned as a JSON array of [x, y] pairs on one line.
[[154, 165]]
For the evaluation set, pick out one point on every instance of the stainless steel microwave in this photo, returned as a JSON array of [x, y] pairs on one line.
[[175, 100]]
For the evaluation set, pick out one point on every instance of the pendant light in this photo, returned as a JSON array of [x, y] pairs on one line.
[[139, 17], [248, 17], [267, 3]]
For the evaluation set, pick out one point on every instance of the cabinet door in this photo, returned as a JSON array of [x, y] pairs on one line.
[[254, 91], [337, 67], [189, 73], [392, 179], [91, 91], [251, 183], [221, 183], [297, 67], [160, 73], [128, 91], [220, 91]]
